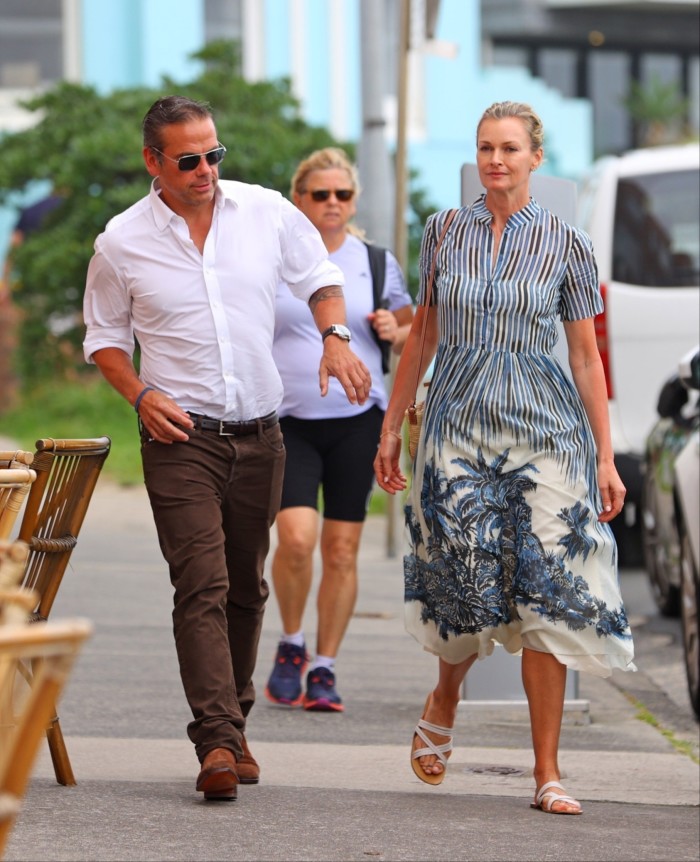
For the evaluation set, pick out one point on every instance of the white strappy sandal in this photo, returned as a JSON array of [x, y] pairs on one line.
[[546, 797], [440, 751]]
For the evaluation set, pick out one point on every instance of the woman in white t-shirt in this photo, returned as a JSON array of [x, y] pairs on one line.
[[330, 443]]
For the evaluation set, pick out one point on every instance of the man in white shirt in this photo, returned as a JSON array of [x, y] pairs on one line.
[[190, 273]]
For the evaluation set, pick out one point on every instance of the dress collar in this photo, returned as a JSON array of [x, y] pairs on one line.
[[521, 217]]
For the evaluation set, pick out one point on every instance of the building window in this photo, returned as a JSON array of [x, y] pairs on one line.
[[222, 20], [510, 55], [608, 75], [557, 66], [31, 43]]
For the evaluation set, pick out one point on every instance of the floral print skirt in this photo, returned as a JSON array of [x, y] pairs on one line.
[[506, 548]]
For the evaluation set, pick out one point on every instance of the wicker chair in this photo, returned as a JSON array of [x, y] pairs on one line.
[[50, 649], [25, 711], [16, 602], [16, 478], [66, 474]]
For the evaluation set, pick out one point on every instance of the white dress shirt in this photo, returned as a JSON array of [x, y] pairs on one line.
[[204, 322]]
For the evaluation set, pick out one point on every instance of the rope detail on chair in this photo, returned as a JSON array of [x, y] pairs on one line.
[[65, 543]]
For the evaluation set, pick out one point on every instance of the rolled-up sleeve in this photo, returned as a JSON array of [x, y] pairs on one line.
[[305, 264], [106, 308]]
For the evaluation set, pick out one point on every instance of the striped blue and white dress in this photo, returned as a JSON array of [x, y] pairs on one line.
[[502, 512]]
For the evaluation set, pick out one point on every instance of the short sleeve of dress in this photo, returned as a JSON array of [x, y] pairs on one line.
[[580, 291]]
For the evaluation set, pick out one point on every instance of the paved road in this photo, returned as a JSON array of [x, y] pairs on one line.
[[339, 787]]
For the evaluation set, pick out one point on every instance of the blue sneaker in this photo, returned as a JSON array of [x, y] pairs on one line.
[[321, 695], [284, 685]]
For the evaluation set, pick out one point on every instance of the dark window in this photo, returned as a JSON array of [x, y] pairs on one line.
[[657, 235], [506, 55], [222, 19], [608, 85], [31, 42], [558, 68]]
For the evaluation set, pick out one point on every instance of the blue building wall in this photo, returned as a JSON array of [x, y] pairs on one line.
[[459, 92], [132, 42], [127, 43], [278, 53]]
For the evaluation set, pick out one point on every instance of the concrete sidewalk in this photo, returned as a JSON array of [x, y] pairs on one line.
[[340, 787]]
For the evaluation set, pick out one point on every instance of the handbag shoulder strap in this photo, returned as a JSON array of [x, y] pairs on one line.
[[428, 294]]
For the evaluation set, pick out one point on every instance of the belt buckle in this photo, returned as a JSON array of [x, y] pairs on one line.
[[223, 433]]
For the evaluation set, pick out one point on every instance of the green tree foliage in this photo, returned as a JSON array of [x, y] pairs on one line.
[[89, 146]]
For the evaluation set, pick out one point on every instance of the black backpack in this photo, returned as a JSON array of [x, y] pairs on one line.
[[377, 268]]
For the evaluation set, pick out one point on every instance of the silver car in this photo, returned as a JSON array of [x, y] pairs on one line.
[[671, 508], [687, 484]]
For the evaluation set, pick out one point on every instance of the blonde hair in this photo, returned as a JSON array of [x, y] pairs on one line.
[[521, 111], [326, 159]]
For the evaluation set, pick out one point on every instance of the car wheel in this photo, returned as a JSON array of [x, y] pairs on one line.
[[690, 595], [656, 556]]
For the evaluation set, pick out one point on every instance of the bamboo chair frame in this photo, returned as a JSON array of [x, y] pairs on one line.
[[16, 602], [18, 456], [51, 649], [15, 482], [66, 474]]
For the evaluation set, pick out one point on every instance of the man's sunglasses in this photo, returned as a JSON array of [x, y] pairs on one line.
[[191, 163], [343, 195]]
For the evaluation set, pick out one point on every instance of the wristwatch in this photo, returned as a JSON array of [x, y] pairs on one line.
[[339, 330]]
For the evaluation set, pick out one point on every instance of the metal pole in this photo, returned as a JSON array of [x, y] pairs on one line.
[[400, 231], [374, 208], [374, 211], [400, 203]]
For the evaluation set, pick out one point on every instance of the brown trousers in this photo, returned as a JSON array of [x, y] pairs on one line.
[[214, 500]]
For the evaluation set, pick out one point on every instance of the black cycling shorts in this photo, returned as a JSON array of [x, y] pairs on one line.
[[335, 456]]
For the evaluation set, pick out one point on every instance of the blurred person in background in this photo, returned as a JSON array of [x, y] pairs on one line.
[[330, 443], [30, 220]]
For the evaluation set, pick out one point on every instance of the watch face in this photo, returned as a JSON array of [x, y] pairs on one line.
[[339, 330]]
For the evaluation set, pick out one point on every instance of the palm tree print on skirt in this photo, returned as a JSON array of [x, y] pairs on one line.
[[483, 565]]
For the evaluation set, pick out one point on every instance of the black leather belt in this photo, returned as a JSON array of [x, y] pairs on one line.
[[234, 429]]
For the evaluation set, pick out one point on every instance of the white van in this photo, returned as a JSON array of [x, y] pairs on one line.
[[642, 212]]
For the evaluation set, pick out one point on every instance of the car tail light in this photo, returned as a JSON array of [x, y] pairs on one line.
[[601, 333]]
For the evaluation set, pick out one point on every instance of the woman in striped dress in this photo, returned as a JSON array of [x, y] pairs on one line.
[[514, 484]]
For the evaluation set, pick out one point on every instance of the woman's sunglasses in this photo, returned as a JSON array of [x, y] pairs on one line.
[[343, 195], [191, 163]]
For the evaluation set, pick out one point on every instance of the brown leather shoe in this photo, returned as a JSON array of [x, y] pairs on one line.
[[218, 778], [247, 766]]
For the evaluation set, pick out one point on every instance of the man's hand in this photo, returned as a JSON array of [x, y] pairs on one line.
[[158, 413], [340, 362]]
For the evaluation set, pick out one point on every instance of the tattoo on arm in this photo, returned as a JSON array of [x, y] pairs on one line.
[[332, 291]]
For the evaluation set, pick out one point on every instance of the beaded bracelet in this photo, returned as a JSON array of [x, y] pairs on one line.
[[395, 433], [137, 403]]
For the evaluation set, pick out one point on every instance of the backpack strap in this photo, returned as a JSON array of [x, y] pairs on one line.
[[377, 268]]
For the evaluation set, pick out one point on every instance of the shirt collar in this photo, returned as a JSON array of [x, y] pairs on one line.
[[162, 213]]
